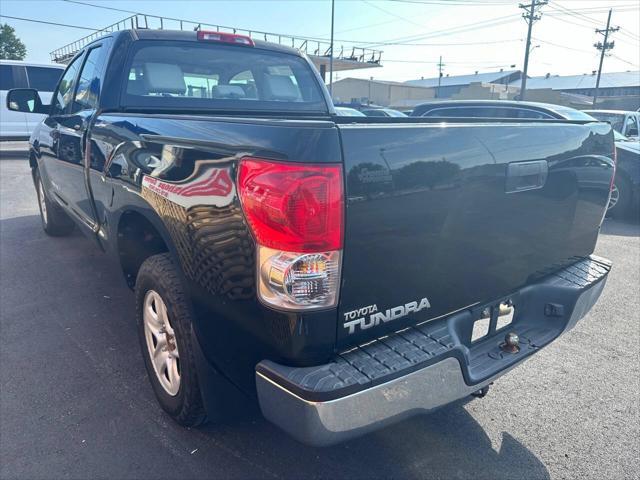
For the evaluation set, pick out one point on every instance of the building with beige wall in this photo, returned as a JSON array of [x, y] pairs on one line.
[[486, 91], [617, 90], [387, 94]]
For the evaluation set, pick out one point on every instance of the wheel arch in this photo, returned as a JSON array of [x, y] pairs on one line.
[[140, 234], [33, 164]]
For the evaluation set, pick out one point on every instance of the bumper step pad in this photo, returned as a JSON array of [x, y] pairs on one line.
[[402, 352], [381, 359], [424, 367]]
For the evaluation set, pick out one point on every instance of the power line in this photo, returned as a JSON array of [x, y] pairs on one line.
[[399, 17], [363, 27], [573, 13], [557, 12], [577, 12], [33, 20], [449, 31], [103, 7], [632, 36], [454, 2], [589, 22], [440, 65], [585, 21], [435, 62], [477, 25], [625, 61], [619, 7], [562, 46], [396, 41], [498, 2], [627, 40], [493, 42], [460, 29], [603, 47], [86, 4], [633, 43], [333, 7], [531, 15], [50, 23]]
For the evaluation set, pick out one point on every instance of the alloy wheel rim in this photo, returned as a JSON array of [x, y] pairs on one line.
[[614, 197], [41, 201], [161, 343]]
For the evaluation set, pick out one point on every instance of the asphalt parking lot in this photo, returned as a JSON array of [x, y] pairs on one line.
[[75, 401]]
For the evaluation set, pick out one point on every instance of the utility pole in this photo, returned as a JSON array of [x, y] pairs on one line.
[[603, 47], [530, 16], [333, 4], [440, 65]]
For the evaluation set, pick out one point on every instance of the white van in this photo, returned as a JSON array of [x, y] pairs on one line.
[[18, 74]]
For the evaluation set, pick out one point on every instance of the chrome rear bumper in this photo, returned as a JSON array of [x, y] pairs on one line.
[[326, 423], [422, 368]]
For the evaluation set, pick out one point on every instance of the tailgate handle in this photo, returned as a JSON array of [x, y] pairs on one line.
[[523, 176]]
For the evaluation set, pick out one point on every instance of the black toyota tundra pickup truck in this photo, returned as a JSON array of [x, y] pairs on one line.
[[343, 272]]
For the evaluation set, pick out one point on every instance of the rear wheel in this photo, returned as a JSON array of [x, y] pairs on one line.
[[55, 221], [164, 329], [620, 201]]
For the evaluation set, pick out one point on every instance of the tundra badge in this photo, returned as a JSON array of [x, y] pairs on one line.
[[369, 316]]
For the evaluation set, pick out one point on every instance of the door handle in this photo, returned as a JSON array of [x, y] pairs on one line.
[[523, 176]]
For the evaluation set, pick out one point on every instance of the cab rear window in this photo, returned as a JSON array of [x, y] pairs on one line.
[[211, 76]]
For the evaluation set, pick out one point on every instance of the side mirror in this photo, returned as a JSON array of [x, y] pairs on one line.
[[25, 100]]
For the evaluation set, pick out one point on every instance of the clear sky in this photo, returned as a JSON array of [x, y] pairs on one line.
[[471, 35]]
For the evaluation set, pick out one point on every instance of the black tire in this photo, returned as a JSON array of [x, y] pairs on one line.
[[55, 222], [159, 274], [622, 207]]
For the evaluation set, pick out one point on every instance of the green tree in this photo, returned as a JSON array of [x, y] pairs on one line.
[[11, 48]]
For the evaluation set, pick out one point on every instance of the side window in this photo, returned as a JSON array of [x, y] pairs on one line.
[[43, 79], [617, 122], [64, 95], [631, 128], [6, 77], [455, 112], [88, 90], [525, 113], [438, 112], [12, 76], [495, 112], [374, 113]]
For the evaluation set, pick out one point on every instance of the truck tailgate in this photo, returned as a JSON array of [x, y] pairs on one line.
[[461, 214]]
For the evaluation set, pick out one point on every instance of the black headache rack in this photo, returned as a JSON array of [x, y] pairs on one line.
[[541, 312]]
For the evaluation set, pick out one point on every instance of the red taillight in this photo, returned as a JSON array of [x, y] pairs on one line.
[[293, 207], [225, 38], [295, 212]]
